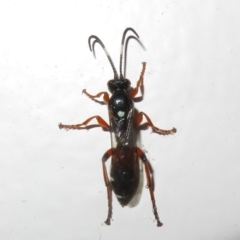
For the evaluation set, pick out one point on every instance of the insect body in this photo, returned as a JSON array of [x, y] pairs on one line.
[[123, 118]]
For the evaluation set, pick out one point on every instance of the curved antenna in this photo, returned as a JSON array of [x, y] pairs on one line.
[[122, 46], [92, 49], [125, 52]]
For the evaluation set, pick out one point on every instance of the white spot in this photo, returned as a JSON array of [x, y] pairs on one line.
[[119, 196], [121, 113], [111, 179], [118, 101]]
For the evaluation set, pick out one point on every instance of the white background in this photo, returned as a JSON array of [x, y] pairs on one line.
[[51, 184]]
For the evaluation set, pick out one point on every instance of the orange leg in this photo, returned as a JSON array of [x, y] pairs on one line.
[[105, 157], [134, 91], [85, 125], [93, 97], [139, 119], [150, 184]]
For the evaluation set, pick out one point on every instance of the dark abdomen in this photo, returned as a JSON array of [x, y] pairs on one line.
[[124, 174]]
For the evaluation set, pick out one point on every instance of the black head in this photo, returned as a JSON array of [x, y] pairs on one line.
[[119, 84]]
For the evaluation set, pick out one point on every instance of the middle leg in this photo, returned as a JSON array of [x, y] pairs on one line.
[[85, 125], [139, 119]]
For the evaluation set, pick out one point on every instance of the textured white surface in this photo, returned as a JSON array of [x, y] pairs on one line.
[[51, 184]]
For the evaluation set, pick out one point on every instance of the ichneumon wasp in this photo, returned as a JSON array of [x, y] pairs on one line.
[[123, 123]]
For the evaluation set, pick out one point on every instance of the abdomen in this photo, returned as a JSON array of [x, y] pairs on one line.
[[124, 174]]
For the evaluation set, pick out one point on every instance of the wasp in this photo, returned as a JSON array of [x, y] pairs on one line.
[[124, 121]]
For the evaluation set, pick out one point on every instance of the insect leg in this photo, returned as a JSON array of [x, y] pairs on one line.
[[105, 95], [139, 118], [134, 91], [105, 157], [150, 184], [85, 125]]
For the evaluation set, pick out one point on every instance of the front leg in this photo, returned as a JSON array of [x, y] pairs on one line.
[[134, 91], [93, 97]]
